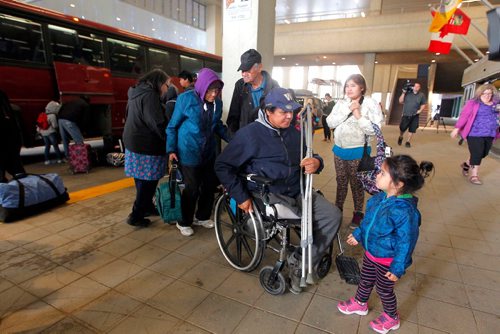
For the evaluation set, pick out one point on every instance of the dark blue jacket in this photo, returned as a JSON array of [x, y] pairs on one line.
[[260, 149], [390, 229]]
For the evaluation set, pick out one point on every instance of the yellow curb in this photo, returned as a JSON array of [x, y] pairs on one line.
[[103, 189]]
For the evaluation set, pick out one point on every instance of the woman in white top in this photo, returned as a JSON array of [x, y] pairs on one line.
[[352, 120]]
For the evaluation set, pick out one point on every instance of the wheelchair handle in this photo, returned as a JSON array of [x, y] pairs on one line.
[[262, 180]]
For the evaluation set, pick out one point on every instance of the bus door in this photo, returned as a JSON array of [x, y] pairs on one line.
[[74, 80]]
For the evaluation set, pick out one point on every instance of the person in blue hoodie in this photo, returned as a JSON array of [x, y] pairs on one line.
[[191, 141], [388, 233], [270, 147]]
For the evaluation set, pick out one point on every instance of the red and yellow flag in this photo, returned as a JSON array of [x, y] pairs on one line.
[[443, 14]]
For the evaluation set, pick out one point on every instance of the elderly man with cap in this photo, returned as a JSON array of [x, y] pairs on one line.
[[248, 91], [270, 147]]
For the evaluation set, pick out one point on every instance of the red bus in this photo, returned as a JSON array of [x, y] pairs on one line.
[[46, 55]]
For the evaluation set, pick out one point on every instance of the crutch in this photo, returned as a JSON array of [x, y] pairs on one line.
[[306, 241]]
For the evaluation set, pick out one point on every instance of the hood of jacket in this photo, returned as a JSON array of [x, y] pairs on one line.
[[205, 78], [139, 90]]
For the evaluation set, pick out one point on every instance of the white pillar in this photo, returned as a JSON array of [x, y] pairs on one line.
[[368, 71], [286, 76], [247, 28], [214, 29], [305, 77]]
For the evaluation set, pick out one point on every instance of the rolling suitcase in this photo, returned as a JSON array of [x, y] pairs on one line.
[[79, 158]]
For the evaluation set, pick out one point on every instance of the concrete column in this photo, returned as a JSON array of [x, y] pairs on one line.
[[253, 29], [369, 70], [286, 77], [305, 77], [214, 29], [375, 7]]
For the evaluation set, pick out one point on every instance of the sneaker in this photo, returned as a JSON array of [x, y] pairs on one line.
[[351, 306], [356, 220], [151, 211], [186, 231], [294, 272], [400, 140], [465, 168], [47, 162], [407, 144], [209, 223], [59, 161], [384, 323]]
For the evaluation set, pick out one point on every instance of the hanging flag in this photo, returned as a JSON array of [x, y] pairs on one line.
[[443, 14], [440, 44], [458, 24]]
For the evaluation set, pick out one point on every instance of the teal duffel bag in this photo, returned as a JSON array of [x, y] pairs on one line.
[[168, 198]]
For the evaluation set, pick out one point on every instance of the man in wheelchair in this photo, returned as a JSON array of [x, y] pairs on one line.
[[270, 147]]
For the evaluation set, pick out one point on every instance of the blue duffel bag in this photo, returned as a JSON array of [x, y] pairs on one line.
[[27, 194]]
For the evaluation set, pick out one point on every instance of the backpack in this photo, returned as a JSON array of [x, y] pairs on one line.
[[42, 121]]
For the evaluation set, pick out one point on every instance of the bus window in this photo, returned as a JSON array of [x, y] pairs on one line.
[[164, 60], [190, 64], [21, 39], [216, 67], [72, 47], [126, 57]]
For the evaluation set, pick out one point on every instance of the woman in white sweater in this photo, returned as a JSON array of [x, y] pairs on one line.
[[352, 120]]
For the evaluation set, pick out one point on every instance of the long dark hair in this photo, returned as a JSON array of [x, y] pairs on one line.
[[155, 78], [405, 169]]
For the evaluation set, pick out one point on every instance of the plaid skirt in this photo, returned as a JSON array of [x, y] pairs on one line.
[[145, 167]]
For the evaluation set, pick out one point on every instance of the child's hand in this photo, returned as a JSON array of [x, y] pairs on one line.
[[391, 276], [351, 241]]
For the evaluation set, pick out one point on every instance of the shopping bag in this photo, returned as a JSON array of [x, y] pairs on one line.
[[168, 198], [347, 266]]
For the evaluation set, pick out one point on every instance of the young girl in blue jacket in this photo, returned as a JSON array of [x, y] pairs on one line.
[[388, 234]]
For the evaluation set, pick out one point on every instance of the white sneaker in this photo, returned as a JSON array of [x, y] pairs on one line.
[[59, 161], [186, 231], [47, 162], [209, 223]]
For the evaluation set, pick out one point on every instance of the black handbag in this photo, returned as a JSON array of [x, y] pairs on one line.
[[367, 162], [347, 266]]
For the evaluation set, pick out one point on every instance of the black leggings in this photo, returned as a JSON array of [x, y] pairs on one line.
[[479, 147]]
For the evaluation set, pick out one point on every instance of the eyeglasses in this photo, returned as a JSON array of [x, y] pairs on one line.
[[487, 94]]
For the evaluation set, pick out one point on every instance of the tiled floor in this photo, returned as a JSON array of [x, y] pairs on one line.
[[80, 269]]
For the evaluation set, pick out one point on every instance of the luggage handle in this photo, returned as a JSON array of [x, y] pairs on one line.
[[17, 177], [172, 183], [340, 245]]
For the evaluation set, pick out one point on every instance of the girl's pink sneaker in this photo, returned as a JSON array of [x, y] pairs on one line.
[[384, 323], [351, 306]]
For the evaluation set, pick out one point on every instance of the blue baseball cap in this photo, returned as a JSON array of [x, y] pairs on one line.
[[281, 98]]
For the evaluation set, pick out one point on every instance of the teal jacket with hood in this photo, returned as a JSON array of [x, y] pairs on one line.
[[390, 229], [191, 131]]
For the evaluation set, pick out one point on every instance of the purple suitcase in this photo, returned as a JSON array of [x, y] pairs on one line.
[[79, 158]]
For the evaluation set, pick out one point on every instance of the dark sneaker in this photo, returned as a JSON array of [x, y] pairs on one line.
[[400, 140], [357, 217], [408, 144], [138, 222], [294, 272], [151, 211]]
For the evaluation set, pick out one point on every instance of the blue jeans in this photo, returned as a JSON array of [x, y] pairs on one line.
[[51, 139], [69, 128]]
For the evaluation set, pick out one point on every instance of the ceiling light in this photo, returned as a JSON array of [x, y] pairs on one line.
[[152, 19], [118, 19], [296, 64], [334, 63], [477, 59], [376, 61], [324, 57], [433, 61], [133, 28], [72, 5], [153, 29], [83, 17], [283, 58], [286, 21], [487, 52]]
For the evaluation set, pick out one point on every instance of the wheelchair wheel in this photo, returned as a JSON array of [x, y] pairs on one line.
[[324, 265], [276, 286], [240, 237]]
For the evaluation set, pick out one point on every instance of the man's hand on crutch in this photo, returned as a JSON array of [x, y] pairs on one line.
[[310, 165]]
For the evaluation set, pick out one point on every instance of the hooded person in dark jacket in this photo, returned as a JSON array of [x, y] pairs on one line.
[[270, 147], [73, 116], [144, 139], [191, 141], [254, 84]]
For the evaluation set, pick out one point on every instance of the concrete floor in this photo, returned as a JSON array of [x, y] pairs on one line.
[[80, 269]]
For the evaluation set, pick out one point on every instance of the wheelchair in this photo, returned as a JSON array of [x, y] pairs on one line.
[[243, 238]]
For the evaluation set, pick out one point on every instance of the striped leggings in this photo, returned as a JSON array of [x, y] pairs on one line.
[[372, 273], [346, 173]]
